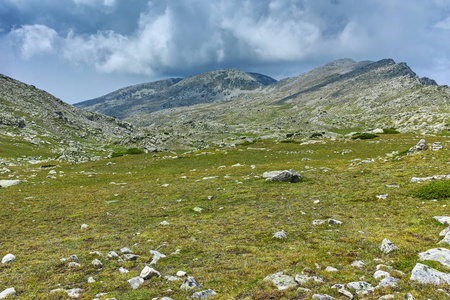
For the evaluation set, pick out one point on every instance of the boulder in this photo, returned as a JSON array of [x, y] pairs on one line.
[[426, 275], [446, 240], [8, 292], [283, 176], [8, 183], [190, 283], [441, 255], [135, 282], [281, 281], [8, 258], [387, 246], [148, 273], [204, 294]]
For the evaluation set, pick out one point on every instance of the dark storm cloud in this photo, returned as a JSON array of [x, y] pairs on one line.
[[157, 38]]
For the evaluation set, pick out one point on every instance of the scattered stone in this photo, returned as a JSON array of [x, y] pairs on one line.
[[97, 263], [388, 281], [73, 257], [387, 246], [172, 278], [361, 287], [436, 146], [409, 297], [84, 226], [426, 275], [435, 177], [210, 197], [334, 222], [113, 254], [345, 293], [204, 294], [421, 145], [358, 264], [8, 183], [148, 273], [72, 293], [164, 223], [8, 292], [318, 222], [381, 274], [331, 269], [303, 290], [338, 286], [280, 235], [125, 250], [446, 240], [156, 256], [386, 297], [8, 258], [181, 273], [190, 283], [131, 257], [74, 265], [91, 280], [283, 176], [166, 298], [382, 197], [441, 255], [302, 279], [96, 252], [198, 209], [443, 219], [135, 282], [322, 297], [123, 270]]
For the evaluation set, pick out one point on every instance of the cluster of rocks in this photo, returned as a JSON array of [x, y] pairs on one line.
[[422, 145]]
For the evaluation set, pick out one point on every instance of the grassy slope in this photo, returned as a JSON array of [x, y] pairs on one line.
[[228, 247]]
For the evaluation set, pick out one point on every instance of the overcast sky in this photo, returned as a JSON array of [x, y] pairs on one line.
[[82, 49]]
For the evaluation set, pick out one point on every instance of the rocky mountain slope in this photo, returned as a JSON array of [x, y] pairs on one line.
[[209, 87]]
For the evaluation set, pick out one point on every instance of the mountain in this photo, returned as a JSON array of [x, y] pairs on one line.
[[209, 87]]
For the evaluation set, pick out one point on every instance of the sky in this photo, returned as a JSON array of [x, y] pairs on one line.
[[82, 49]]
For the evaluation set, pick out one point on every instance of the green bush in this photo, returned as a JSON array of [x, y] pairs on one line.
[[390, 131], [316, 135], [364, 136], [128, 151], [434, 190]]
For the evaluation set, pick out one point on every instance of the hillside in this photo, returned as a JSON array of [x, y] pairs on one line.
[[215, 86]]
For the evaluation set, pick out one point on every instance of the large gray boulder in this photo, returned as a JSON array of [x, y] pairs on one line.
[[426, 275], [281, 281], [283, 176], [441, 255]]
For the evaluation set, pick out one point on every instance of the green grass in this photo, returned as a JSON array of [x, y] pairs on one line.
[[390, 131], [434, 190], [364, 136], [130, 151], [228, 247]]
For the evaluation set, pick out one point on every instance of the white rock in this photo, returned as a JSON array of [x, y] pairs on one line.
[[8, 292], [381, 274], [426, 275], [388, 281], [74, 265], [336, 222], [280, 235], [84, 226], [8, 183], [382, 197], [91, 280], [346, 293], [445, 231], [8, 258], [443, 219], [281, 281], [148, 273], [156, 256], [181, 273], [358, 264], [113, 254], [198, 209], [441, 255], [97, 263], [331, 269], [123, 270], [135, 282], [361, 287], [387, 246], [204, 294], [322, 297], [190, 283], [446, 240], [125, 250], [164, 223], [318, 222]]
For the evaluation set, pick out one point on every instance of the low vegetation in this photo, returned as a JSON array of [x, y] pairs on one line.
[[228, 246], [364, 136], [434, 190]]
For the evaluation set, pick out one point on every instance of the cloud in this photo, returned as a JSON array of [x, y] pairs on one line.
[[34, 39], [444, 24]]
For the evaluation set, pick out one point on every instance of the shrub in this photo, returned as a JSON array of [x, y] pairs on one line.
[[316, 135], [390, 131], [128, 151], [434, 190], [364, 136]]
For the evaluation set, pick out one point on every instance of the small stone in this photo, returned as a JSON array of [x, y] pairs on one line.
[[172, 278], [181, 273], [164, 223], [409, 297], [445, 231], [74, 293], [281, 281], [113, 254], [331, 269], [318, 222], [135, 282], [8, 292], [361, 287], [156, 256], [91, 280], [358, 264], [283, 176], [97, 263], [387, 297], [210, 197], [125, 250], [190, 283], [338, 286], [96, 253], [84, 226], [8, 258], [148, 273], [74, 265], [197, 209], [334, 222], [345, 293], [426, 275], [388, 281], [131, 257], [123, 270], [381, 274], [322, 297], [280, 235], [303, 290], [8, 183], [382, 197], [441, 255], [73, 257], [204, 294], [387, 246]]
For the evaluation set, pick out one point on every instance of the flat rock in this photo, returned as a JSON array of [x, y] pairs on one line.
[[8, 292], [8, 183], [281, 281], [361, 287], [445, 240], [123, 270], [8, 258], [322, 297], [280, 235], [125, 250], [381, 274], [358, 264], [156, 256], [334, 222], [426, 275], [441, 255], [72, 293], [204, 294], [388, 281], [97, 263], [443, 219], [445, 231], [190, 283], [131, 257], [387, 246], [135, 282], [346, 293]]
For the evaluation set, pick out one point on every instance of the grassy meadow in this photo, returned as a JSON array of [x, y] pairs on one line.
[[229, 245]]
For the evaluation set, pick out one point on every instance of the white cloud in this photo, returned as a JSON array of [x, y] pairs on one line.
[[34, 39]]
